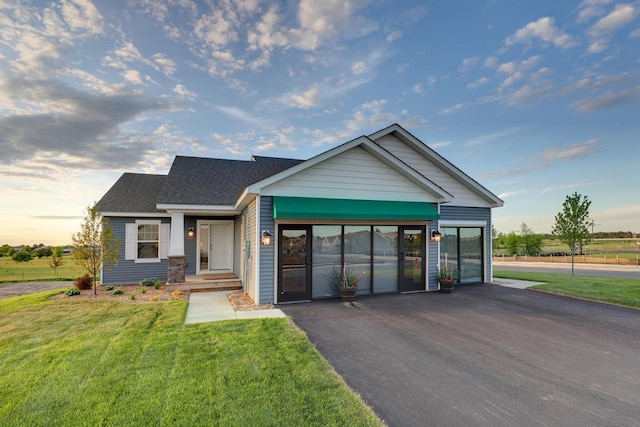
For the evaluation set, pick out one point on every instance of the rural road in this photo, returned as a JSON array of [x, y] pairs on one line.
[[621, 271]]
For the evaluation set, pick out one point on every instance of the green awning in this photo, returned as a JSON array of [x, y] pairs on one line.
[[312, 208]]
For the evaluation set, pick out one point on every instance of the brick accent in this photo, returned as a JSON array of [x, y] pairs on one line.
[[177, 266]]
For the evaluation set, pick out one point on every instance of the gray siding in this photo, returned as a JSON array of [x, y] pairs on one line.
[[127, 271], [267, 253], [459, 213]]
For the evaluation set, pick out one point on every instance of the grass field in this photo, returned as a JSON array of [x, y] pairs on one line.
[[37, 270], [93, 362], [604, 289]]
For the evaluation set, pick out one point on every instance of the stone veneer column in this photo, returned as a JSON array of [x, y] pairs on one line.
[[176, 269]]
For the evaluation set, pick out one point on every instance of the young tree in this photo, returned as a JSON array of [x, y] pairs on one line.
[[56, 259], [530, 242], [572, 223], [96, 246]]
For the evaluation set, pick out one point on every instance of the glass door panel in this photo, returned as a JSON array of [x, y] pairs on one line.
[[203, 235], [471, 255], [327, 258], [295, 263], [385, 258], [357, 254], [449, 247], [412, 249]]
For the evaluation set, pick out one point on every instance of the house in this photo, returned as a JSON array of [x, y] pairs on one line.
[[385, 204]]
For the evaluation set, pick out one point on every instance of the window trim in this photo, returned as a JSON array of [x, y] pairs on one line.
[[131, 240]]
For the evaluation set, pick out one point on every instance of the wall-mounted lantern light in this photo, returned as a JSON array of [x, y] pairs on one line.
[[435, 236], [266, 238], [191, 232]]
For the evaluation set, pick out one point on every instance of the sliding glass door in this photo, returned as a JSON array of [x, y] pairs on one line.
[[461, 248]]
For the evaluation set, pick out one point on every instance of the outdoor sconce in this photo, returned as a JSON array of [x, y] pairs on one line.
[[266, 238], [435, 236], [191, 232]]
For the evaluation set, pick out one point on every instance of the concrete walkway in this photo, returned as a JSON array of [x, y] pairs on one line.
[[513, 283], [215, 306]]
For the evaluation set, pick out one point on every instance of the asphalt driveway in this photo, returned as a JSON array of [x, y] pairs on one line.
[[485, 355]]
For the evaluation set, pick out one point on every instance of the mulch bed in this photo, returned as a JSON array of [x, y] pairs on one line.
[[238, 299]]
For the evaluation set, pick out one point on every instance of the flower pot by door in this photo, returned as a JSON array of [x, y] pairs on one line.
[[348, 294], [446, 286]]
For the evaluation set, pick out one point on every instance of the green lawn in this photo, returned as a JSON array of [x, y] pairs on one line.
[[37, 270], [92, 362], [605, 289]]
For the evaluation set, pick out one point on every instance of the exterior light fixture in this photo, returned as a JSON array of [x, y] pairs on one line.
[[266, 238], [191, 232], [435, 236]]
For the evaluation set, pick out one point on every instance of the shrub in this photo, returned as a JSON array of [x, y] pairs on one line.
[[157, 284], [118, 292], [149, 281], [143, 289], [132, 296], [176, 294], [22, 256], [72, 291], [84, 282], [155, 298], [108, 288]]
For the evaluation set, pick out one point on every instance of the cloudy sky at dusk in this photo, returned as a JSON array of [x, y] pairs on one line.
[[535, 100]]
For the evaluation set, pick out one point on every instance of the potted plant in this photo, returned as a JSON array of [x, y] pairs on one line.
[[348, 283], [447, 277]]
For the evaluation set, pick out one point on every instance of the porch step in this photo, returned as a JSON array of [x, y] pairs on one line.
[[205, 284]]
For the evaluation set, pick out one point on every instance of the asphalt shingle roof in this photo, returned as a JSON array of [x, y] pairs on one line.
[[205, 181], [132, 192]]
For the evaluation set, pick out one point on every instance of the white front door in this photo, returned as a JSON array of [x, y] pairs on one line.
[[215, 240]]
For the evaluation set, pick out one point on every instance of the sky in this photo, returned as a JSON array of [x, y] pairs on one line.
[[533, 99]]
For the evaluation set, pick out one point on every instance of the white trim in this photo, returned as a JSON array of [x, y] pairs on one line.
[[430, 154], [195, 208], [136, 214], [258, 239], [176, 235], [454, 223], [131, 240], [200, 222]]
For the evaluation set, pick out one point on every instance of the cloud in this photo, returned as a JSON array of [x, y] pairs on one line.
[[182, 91], [573, 151], [358, 67], [483, 139], [132, 76], [547, 158], [240, 114], [468, 63], [607, 100], [307, 99], [417, 89], [439, 144], [543, 29], [600, 32], [66, 122], [509, 194], [480, 82], [459, 106]]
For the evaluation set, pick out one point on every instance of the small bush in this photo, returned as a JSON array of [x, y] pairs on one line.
[[84, 282], [149, 281], [157, 284], [155, 298], [143, 289], [72, 291], [176, 294], [132, 296], [108, 288], [118, 292]]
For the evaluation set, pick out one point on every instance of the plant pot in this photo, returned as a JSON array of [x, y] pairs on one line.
[[446, 286], [348, 294]]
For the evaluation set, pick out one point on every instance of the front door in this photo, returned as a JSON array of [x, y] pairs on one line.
[[412, 248], [216, 246], [294, 278]]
